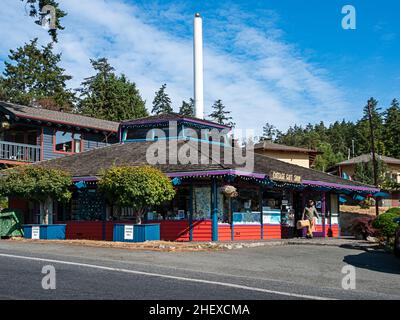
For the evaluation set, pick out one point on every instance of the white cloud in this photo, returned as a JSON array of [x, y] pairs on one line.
[[260, 77]]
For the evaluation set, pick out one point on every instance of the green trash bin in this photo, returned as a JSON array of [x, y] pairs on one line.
[[10, 223]]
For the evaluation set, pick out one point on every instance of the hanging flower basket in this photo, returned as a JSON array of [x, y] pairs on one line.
[[229, 191]]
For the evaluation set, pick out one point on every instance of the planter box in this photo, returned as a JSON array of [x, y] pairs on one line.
[[44, 231], [136, 233]]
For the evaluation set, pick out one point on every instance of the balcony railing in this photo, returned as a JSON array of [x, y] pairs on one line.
[[11, 151]]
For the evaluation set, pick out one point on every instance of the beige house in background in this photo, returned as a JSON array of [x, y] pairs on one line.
[[347, 168], [299, 156]]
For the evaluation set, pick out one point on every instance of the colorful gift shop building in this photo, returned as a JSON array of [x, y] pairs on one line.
[[271, 194]]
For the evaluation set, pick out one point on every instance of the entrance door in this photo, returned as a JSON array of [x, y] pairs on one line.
[[298, 207], [287, 216]]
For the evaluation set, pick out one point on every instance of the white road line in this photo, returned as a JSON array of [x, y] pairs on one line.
[[224, 284]]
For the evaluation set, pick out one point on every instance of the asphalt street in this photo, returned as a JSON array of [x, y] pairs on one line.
[[280, 272]]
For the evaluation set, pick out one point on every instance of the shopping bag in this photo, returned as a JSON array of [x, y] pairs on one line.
[[303, 224]]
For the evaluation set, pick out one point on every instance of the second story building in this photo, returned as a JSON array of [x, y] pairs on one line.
[[299, 156], [346, 169], [29, 134], [174, 126]]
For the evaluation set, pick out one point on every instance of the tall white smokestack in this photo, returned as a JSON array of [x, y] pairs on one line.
[[198, 66]]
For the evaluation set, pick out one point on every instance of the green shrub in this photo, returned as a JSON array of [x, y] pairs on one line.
[[37, 183], [136, 187], [394, 210], [385, 224]]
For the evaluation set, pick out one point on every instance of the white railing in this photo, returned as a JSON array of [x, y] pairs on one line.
[[19, 152]]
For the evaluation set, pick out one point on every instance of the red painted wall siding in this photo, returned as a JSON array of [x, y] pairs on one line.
[[174, 230], [110, 230], [202, 230], [224, 232], [16, 203], [93, 230], [272, 231], [90, 230], [21, 204], [334, 229], [179, 231], [249, 232]]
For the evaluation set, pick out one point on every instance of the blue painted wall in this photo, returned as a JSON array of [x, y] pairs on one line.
[[47, 151]]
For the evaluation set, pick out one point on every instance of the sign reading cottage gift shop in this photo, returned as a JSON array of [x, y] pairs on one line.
[[286, 177]]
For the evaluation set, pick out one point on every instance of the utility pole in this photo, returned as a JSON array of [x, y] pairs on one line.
[[374, 163], [353, 147]]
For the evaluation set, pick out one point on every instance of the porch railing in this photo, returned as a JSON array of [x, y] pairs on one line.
[[11, 151]]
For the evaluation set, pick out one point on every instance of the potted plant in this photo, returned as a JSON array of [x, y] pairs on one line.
[[139, 188], [42, 185]]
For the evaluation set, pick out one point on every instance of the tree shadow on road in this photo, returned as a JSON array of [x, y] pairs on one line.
[[375, 261]]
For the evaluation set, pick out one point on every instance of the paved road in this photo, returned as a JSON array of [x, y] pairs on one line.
[[281, 272]]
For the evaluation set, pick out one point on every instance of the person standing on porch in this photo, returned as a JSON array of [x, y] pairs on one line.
[[309, 213]]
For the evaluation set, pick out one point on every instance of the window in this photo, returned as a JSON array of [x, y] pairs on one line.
[[133, 134], [68, 142]]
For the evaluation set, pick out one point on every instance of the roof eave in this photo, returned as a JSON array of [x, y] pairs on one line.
[[65, 123]]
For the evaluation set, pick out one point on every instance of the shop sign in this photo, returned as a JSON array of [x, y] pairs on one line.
[[287, 177], [36, 232], [128, 232]]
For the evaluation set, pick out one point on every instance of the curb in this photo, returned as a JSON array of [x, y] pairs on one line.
[[241, 245]]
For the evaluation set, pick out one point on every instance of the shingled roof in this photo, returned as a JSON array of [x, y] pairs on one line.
[[172, 116], [272, 146], [58, 117], [90, 164], [367, 157]]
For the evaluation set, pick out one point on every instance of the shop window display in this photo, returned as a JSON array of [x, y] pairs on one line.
[[246, 207]]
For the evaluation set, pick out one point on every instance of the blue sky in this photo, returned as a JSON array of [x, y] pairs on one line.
[[282, 62]]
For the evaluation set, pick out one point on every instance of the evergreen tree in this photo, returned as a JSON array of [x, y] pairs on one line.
[[363, 133], [269, 132], [35, 7], [328, 158], [3, 93], [364, 173], [340, 135], [336, 140], [161, 102], [220, 115], [187, 108], [33, 77], [392, 129], [109, 96]]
